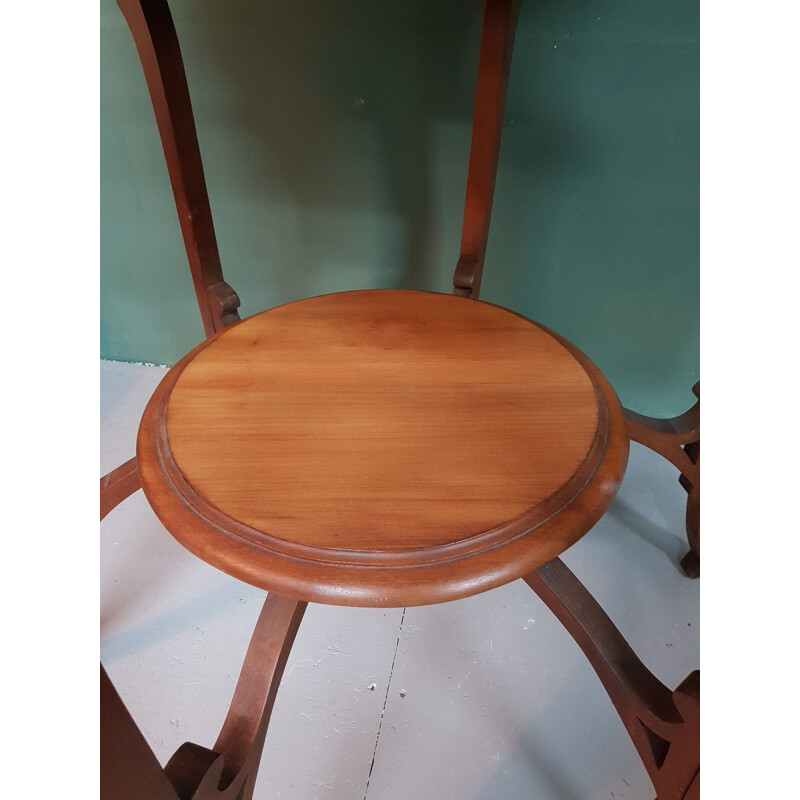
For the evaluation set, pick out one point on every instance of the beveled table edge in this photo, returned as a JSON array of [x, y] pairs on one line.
[[392, 578]]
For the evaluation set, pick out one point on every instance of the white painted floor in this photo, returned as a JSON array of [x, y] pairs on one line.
[[481, 698]]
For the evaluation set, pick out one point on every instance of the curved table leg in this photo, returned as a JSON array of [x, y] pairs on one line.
[[130, 770], [664, 726], [117, 486], [494, 63], [153, 31], [228, 771], [678, 440]]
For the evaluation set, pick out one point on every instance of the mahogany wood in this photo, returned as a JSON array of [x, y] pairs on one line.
[[494, 62], [150, 22], [664, 726], [128, 768], [678, 440], [192, 459], [694, 789], [117, 486], [228, 770], [382, 448], [130, 771]]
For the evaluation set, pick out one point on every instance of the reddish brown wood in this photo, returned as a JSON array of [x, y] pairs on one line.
[[153, 32], [128, 768], [130, 771], [497, 41], [382, 448], [228, 771], [407, 566], [245, 726], [694, 789], [118, 485], [678, 440], [664, 726]]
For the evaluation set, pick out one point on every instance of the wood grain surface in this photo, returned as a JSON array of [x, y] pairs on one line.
[[380, 437]]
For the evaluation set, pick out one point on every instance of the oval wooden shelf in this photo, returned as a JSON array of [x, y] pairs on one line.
[[381, 448]]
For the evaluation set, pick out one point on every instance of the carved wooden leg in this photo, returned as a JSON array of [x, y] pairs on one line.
[[228, 771], [494, 62], [156, 41], [678, 440], [664, 726]]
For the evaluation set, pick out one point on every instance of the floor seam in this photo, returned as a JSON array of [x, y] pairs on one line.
[[385, 701]]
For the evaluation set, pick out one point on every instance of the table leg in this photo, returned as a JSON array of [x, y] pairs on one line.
[[663, 725], [153, 31], [678, 440], [228, 770], [118, 485], [494, 63]]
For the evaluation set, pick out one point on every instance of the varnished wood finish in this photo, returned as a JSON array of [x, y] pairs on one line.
[[128, 768], [664, 726], [228, 770], [339, 490], [246, 724], [117, 486], [340, 421], [153, 32], [497, 41], [382, 448], [678, 440], [130, 771]]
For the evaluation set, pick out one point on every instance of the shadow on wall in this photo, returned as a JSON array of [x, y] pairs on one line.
[[335, 138], [333, 108], [328, 131]]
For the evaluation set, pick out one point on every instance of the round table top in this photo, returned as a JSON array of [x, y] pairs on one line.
[[381, 448]]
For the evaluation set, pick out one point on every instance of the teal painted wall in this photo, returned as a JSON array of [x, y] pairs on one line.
[[335, 137]]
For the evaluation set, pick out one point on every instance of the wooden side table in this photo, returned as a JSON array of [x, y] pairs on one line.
[[381, 448]]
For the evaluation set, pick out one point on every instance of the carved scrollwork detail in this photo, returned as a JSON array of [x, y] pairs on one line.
[[664, 726], [224, 304], [678, 440]]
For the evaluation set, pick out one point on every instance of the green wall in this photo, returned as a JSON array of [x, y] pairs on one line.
[[335, 136]]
